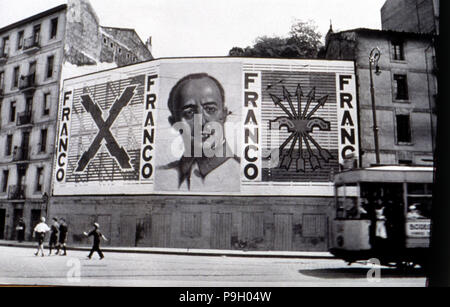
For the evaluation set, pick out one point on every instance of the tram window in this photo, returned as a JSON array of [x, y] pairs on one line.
[[419, 208], [420, 188]]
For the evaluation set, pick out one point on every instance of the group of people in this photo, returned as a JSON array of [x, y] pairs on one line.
[[58, 237]]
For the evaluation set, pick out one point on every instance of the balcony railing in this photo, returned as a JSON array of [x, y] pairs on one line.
[[27, 82], [20, 154], [31, 44], [24, 118], [16, 192]]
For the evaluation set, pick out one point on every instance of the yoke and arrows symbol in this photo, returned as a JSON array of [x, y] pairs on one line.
[[300, 125], [104, 133]]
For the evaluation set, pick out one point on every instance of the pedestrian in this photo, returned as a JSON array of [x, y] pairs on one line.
[[63, 229], [20, 230], [40, 231], [96, 244], [53, 235]]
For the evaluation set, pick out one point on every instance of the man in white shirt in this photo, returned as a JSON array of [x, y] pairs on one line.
[[40, 231]]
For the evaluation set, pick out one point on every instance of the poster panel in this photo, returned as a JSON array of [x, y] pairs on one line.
[[217, 126]]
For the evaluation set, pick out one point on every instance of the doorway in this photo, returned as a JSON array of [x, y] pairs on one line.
[[2, 223], [17, 215], [35, 218]]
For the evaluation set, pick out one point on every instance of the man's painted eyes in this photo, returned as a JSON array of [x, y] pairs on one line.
[[210, 109], [188, 113]]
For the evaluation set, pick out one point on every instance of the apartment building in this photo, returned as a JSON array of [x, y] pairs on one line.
[[405, 90], [36, 54]]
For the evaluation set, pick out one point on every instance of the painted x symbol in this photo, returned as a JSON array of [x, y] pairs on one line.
[[104, 133]]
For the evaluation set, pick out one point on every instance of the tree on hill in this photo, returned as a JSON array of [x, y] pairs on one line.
[[303, 41]]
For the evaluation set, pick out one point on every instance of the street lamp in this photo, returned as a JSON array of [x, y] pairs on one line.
[[375, 55]]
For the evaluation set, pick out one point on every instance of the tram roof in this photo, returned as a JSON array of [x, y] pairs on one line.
[[389, 174]]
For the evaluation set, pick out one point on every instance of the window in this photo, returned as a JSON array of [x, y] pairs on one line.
[[28, 104], [105, 41], [20, 40], [5, 46], [403, 129], [50, 61], [397, 51], [12, 111], [2, 79], [36, 34], [9, 140], [401, 87], [46, 104], [16, 73], [5, 180], [53, 27], [112, 45], [43, 140], [39, 179]]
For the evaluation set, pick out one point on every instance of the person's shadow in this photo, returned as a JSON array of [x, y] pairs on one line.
[[361, 273]]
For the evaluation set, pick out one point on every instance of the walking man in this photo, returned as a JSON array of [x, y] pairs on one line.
[[63, 229], [53, 235], [96, 244], [40, 231]]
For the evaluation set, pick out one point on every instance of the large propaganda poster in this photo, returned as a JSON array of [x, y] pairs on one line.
[[230, 126]]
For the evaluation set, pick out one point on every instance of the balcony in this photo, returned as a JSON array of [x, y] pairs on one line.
[[31, 45], [20, 154], [24, 118], [16, 192], [27, 83], [3, 57]]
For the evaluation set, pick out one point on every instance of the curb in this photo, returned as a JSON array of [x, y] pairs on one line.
[[193, 252]]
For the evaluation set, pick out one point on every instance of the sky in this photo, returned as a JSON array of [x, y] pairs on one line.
[[211, 27]]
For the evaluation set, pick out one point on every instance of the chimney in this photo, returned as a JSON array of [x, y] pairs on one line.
[[148, 44]]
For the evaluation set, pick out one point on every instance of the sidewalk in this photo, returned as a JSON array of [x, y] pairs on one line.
[[185, 251]]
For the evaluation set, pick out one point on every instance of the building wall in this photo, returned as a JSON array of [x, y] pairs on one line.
[[82, 45], [31, 198], [78, 43], [123, 46], [422, 90], [421, 102], [410, 15], [220, 222]]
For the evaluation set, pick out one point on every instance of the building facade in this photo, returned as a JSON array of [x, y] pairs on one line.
[[36, 54], [284, 137], [421, 16], [405, 89]]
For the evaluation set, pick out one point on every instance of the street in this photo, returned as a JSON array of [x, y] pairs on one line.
[[19, 266]]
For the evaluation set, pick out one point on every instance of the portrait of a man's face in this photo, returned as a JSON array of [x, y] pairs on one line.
[[198, 101], [198, 113]]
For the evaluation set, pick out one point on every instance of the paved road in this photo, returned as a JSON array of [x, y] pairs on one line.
[[19, 266]]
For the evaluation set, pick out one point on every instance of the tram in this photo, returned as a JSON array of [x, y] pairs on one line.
[[383, 212]]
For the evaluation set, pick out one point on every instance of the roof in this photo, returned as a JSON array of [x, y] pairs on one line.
[[393, 174], [33, 18], [120, 29], [386, 32]]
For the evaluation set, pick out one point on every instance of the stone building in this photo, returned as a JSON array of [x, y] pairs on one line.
[[421, 16], [36, 54], [405, 88]]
